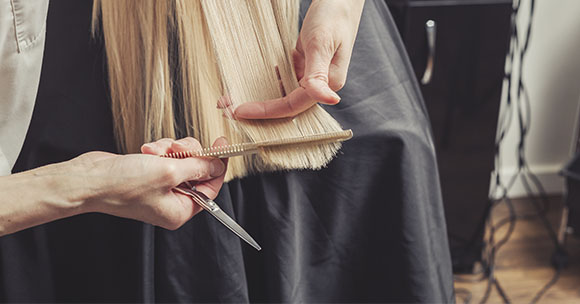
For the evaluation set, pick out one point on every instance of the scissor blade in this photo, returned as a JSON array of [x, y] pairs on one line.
[[214, 209], [225, 219]]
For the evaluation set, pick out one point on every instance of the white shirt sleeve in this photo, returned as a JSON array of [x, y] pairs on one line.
[[22, 34]]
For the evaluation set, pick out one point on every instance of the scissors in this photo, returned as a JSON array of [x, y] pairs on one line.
[[214, 209]]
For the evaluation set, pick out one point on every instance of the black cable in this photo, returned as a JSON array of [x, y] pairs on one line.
[[468, 294], [559, 258], [511, 228], [501, 291], [503, 128], [494, 248], [531, 216], [523, 106], [544, 289], [542, 217], [504, 124]]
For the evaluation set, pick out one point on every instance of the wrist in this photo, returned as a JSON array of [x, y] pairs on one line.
[[62, 187], [344, 10], [38, 196]]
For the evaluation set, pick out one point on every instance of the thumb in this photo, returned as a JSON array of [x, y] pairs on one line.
[[318, 57]]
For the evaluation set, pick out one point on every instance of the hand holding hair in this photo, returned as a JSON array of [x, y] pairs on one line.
[[321, 60]]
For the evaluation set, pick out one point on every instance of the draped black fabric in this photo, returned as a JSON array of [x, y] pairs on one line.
[[369, 228]]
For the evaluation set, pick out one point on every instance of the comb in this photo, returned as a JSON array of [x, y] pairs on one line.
[[252, 148]]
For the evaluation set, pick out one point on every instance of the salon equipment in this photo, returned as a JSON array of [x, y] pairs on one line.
[[252, 148], [457, 49], [214, 209]]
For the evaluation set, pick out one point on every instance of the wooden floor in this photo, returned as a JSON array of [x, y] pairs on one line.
[[523, 264]]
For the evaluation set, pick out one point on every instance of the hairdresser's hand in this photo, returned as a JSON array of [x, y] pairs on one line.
[[321, 60], [133, 186], [140, 186]]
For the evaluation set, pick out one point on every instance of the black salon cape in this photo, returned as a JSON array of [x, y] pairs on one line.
[[369, 228]]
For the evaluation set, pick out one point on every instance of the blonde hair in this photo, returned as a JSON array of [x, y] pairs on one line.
[[169, 61]]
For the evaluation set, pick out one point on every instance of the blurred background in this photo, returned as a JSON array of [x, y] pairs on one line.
[[501, 81]]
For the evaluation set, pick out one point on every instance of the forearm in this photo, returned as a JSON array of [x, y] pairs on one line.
[[38, 196]]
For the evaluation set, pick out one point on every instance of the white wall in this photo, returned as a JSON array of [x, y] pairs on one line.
[[552, 75]]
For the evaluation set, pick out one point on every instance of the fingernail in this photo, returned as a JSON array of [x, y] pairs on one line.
[[179, 145], [182, 142], [220, 104], [223, 102], [217, 168], [333, 94]]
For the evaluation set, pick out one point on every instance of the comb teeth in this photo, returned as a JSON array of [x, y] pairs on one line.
[[219, 151], [223, 150], [184, 154]]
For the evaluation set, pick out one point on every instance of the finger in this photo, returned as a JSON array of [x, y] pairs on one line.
[[291, 105], [339, 69], [224, 102], [186, 144], [174, 210], [298, 60], [212, 187], [159, 147], [190, 208], [318, 54]]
